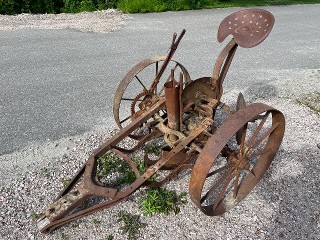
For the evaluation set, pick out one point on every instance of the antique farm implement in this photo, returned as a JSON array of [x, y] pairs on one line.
[[228, 149]]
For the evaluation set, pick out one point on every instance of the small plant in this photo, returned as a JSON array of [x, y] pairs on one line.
[[64, 236], [114, 171], [312, 101], [110, 237], [96, 222], [34, 216], [161, 200], [66, 181], [153, 149], [44, 171], [132, 224], [75, 224]]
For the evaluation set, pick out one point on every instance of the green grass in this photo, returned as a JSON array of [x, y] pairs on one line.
[[161, 201], [115, 172], [144, 6], [115, 169], [130, 6]]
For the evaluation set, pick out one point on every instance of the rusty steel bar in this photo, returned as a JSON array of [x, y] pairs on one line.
[[219, 75], [172, 95], [173, 48]]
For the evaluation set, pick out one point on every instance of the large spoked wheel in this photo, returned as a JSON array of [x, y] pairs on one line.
[[226, 171], [133, 92]]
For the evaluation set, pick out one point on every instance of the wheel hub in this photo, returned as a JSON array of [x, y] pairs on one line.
[[240, 162]]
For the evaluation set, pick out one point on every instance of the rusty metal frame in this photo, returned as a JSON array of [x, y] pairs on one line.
[[68, 200], [193, 139]]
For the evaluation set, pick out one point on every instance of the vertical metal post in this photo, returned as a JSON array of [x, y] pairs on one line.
[[173, 102]]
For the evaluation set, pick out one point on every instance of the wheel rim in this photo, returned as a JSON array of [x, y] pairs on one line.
[[214, 186], [140, 86]]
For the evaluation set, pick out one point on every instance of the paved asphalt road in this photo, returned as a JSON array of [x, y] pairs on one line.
[[58, 83]]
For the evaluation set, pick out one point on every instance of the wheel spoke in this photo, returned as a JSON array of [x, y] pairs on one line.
[[213, 188], [223, 190], [157, 71], [130, 99], [217, 171], [256, 132], [144, 87], [127, 118], [243, 138], [264, 136], [161, 90], [251, 155], [236, 184]]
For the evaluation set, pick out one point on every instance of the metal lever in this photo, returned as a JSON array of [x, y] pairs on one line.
[[174, 46]]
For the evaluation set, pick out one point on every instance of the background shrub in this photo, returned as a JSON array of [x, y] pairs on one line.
[[30, 6], [130, 6], [53, 6], [71, 6], [143, 6]]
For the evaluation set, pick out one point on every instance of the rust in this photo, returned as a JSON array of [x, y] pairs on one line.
[[219, 143], [173, 48], [228, 158], [173, 95], [197, 89], [249, 27], [241, 103]]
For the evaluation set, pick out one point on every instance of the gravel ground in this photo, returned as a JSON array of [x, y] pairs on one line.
[[284, 205], [99, 21]]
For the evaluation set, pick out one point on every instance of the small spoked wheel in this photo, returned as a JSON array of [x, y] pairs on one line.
[[134, 92], [229, 168]]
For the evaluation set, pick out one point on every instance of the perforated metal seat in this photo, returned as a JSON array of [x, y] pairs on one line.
[[249, 27]]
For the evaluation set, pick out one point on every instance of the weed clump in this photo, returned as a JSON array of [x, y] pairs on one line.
[[34, 216], [131, 224], [115, 172], [161, 200]]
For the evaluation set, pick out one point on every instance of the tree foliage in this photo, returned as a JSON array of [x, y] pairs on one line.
[[130, 6], [53, 6]]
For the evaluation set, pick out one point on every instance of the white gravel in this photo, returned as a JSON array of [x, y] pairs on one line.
[[99, 21], [285, 204]]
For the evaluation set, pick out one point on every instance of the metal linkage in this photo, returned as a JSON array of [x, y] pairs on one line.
[[228, 150]]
